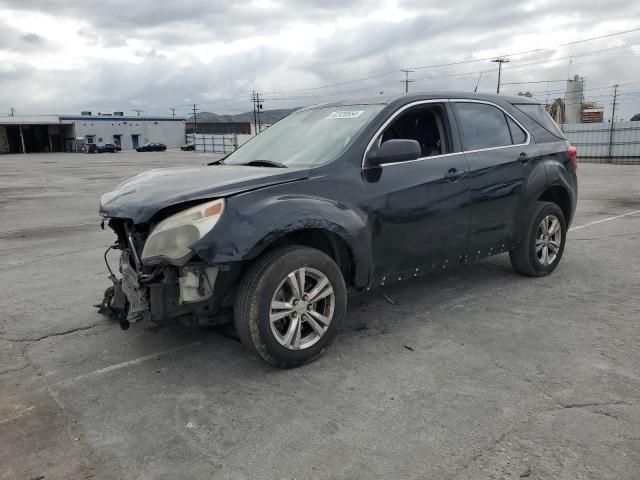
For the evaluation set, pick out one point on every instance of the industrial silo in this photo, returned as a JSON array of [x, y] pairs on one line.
[[573, 98]]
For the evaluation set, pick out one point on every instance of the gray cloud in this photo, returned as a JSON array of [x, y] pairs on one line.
[[14, 40], [436, 33], [33, 38]]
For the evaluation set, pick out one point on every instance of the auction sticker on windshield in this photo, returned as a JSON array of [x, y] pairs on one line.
[[346, 114]]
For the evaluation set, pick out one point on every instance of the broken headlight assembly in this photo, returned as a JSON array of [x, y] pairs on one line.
[[171, 238]]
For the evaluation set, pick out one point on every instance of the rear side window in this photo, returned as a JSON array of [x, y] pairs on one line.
[[538, 114], [483, 126], [518, 135]]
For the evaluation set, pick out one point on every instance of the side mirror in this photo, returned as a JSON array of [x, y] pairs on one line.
[[399, 150]]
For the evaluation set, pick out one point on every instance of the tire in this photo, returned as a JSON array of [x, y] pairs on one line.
[[528, 258], [268, 280]]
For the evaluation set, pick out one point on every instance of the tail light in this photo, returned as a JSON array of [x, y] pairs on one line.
[[573, 156]]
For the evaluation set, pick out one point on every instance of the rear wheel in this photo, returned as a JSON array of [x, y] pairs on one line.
[[543, 245], [290, 305]]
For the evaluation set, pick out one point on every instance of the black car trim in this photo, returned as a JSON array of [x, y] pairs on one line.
[[441, 100]]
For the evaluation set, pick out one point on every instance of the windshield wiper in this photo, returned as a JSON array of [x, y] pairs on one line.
[[220, 161], [264, 163]]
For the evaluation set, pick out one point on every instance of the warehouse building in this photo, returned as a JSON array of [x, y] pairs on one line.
[[70, 133]]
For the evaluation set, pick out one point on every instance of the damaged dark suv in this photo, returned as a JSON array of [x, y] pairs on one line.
[[348, 195]]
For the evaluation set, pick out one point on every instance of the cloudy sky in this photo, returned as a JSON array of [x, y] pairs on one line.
[[63, 56]]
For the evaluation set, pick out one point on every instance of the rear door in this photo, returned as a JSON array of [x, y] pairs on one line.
[[499, 152]]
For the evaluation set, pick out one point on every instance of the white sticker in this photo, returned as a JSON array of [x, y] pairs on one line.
[[346, 114]]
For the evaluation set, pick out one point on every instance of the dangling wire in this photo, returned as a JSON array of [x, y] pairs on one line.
[[111, 274]]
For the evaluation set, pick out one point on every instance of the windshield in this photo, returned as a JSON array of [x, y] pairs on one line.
[[311, 137]]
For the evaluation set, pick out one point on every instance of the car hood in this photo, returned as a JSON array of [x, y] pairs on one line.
[[142, 196]]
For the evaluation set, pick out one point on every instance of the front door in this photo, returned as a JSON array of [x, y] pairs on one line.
[[419, 210], [135, 141], [499, 153]]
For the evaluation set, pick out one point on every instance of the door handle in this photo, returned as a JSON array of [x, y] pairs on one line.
[[524, 158], [454, 174]]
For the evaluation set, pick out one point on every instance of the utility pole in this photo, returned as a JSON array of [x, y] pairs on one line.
[[259, 109], [255, 113], [257, 106], [499, 61], [195, 120], [173, 112], [138, 111], [613, 118], [12, 110], [406, 80]]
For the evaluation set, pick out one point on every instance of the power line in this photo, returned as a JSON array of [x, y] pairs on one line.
[[535, 50], [535, 81], [138, 111], [463, 62], [383, 74], [460, 74]]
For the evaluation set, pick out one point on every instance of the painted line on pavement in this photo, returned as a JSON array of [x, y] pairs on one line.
[[48, 227], [604, 220], [129, 363]]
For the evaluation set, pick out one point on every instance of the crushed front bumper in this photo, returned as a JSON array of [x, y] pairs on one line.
[[163, 294]]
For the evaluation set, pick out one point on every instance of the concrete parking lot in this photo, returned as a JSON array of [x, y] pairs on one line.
[[473, 373]]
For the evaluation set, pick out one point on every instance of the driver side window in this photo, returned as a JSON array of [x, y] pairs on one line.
[[423, 124]]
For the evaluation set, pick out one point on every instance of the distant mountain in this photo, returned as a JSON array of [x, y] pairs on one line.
[[267, 117]]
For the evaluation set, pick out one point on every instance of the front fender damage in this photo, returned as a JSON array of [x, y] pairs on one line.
[[160, 292]]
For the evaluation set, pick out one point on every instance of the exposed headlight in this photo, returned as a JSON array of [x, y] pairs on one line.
[[173, 236]]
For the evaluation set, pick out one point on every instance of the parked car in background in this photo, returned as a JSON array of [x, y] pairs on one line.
[[106, 148], [189, 147], [152, 147], [636, 118], [354, 194]]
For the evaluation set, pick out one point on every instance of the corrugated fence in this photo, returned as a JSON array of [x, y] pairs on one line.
[[599, 143], [211, 143]]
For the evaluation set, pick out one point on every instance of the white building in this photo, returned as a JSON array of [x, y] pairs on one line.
[[64, 133]]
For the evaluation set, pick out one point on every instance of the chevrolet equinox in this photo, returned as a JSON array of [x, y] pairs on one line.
[[347, 195]]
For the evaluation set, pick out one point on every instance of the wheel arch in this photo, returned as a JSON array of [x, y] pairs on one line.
[[327, 241], [560, 196], [258, 221], [548, 181]]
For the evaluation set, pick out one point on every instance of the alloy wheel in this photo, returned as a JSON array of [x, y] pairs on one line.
[[302, 308], [548, 240]]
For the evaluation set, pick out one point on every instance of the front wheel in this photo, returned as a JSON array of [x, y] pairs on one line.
[[541, 249], [290, 305]]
